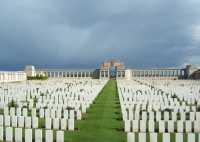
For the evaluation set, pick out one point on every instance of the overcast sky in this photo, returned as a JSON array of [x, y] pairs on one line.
[[84, 33]]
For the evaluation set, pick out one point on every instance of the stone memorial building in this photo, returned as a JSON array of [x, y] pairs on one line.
[[115, 69]]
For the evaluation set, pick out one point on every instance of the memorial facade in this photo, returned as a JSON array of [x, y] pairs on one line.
[[115, 69]]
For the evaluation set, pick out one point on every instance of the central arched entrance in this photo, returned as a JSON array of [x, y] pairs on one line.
[[112, 72], [109, 69]]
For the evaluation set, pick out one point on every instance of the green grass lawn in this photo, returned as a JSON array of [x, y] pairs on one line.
[[101, 123]]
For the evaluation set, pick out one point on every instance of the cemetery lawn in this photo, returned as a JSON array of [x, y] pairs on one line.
[[103, 119]]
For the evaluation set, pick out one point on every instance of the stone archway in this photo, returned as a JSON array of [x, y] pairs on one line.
[[111, 67]]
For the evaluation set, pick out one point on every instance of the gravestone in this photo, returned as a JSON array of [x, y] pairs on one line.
[[1, 133], [34, 122], [18, 134], [166, 137], [78, 114], [180, 126], [142, 137], [196, 126], [41, 111], [27, 122], [63, 124], [9, 134], [161, 126], [56, 123], [59, 136], [48, 136], [135, 125], [127, 125], [66, 114], [70, 124], [28, 135], [1, 120], [191, 137], [38, 135], [131, 137], [7, 120], [179, 137], [188, 126], [151, 126], [153, 137], [14, 121], [171, 126], [21, 121], [47, 123], [142, 126]]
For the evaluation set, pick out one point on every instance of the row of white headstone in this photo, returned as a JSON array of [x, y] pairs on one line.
[[28, 136], [141, 126], [32, 122], [158, 116], [44, 113], [166, 137]]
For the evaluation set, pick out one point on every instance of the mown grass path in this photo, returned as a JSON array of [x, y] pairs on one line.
[[101, 124]]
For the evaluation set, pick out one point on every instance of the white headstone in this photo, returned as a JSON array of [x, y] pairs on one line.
[[53, 113], [66, 113], [166, 137], [166, 116], [59, 136], [144, 115], [48, 136], [188, 126], [158, 116], [7, 120], [1, 133], [131, 137], [21, 121], [1, 120], [63, 124], [71, 114], [127, 125], [142, 137], [151, 126], [47, 115], [196, 126], [161, 126], [56, 123], [174, 116], [135, 125], [27, 122], [12, 111], [19, 111], [33, 112], [70, 124], [191, 137], [170, 126], [47, 123], [142, 126], [18, 134], [9, 134], [34, 122], [180, 126], [25, 112], [41, 111], [151, 116], [38, 135], [153, 137], [78, 114], [14, 121], [179, 137]]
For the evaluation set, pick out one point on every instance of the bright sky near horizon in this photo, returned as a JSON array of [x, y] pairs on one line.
[[84, 33]]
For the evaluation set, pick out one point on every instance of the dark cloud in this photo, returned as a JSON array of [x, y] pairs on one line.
[[82, 34]]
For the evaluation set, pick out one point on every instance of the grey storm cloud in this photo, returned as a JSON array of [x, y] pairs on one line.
[[82, 34]]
